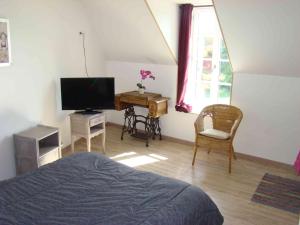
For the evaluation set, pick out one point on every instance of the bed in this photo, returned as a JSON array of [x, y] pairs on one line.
[[91, 189]]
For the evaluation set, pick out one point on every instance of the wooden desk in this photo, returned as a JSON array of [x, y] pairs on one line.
[[157, 106]]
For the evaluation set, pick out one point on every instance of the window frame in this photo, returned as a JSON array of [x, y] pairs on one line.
[[216, 64]]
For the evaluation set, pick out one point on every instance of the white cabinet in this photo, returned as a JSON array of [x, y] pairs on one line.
[[87, 126], [36, 147]]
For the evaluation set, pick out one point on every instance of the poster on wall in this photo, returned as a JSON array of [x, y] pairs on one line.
[[5, 57]]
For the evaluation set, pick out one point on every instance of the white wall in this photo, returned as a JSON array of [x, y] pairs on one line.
[[45, 45], [271, 123]]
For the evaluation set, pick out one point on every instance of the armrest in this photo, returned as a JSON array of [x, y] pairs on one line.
[[199, 123], [234, 127]]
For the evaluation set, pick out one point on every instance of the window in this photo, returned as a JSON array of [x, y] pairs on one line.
[[209, 70]]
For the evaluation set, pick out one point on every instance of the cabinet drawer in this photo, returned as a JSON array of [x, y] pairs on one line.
[[49, 157], [135, 100], [96, 120]]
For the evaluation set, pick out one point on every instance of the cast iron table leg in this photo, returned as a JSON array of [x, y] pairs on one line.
[[128, 121]]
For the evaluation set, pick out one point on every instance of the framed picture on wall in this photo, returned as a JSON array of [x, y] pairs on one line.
[[5, 54]]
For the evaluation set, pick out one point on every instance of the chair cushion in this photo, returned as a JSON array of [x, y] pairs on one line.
[[215, 134]]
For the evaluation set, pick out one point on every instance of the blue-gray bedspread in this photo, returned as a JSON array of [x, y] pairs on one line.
[[91, 189]]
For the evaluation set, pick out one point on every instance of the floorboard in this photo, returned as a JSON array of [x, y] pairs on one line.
[[232, 193]]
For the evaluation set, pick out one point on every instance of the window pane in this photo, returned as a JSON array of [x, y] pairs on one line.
[[210, 72], [205, 89], [224, 94], [208, 47], [206, 70], [225, 72], [224, 53]]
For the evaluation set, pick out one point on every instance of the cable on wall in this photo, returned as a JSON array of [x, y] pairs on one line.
[[84, 52]]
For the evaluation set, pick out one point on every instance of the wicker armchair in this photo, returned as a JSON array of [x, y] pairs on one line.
[[225, 119]]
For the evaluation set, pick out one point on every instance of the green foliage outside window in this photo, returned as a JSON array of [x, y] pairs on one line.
[[224, 53], [224, 91], [225, 72]]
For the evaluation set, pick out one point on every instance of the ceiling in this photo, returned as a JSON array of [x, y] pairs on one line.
[[262, 36], [128, 32]]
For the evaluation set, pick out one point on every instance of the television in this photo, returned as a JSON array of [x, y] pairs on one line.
[[88, 94]]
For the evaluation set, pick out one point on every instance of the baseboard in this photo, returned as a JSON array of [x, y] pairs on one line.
[[256, 159], [263, 161]]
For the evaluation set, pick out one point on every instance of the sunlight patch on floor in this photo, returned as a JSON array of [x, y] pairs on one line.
[[123, 155], [138, 161], [158, 156], [134, 159]]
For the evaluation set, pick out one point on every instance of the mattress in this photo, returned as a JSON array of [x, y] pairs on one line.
[[91, 189]]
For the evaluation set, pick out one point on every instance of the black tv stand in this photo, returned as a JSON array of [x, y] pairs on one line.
[[88, 112]]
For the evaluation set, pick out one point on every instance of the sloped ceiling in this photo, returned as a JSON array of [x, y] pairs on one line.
[[167, 15], [262, 36], [128, 31]]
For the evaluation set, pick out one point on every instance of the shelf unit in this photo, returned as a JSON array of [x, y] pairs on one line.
[[36, 147]]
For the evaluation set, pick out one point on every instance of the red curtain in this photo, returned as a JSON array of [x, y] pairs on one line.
[[183, 56]]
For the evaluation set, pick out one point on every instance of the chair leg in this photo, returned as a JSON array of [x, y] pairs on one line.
[[233, 152], [229, 156], [195, 153]]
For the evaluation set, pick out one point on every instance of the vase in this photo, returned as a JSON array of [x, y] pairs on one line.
[[141, 90]]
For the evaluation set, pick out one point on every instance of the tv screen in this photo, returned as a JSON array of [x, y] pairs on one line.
[[87, 93]]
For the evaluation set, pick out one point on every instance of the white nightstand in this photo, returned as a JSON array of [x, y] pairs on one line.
[[36, 147], [87, 126]]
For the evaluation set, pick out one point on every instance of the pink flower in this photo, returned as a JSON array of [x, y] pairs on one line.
[[146, 73]]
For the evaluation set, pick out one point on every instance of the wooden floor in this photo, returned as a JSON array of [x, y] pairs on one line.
[[231, 193]]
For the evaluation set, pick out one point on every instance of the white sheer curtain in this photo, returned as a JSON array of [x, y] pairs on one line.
[[204, 27]]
